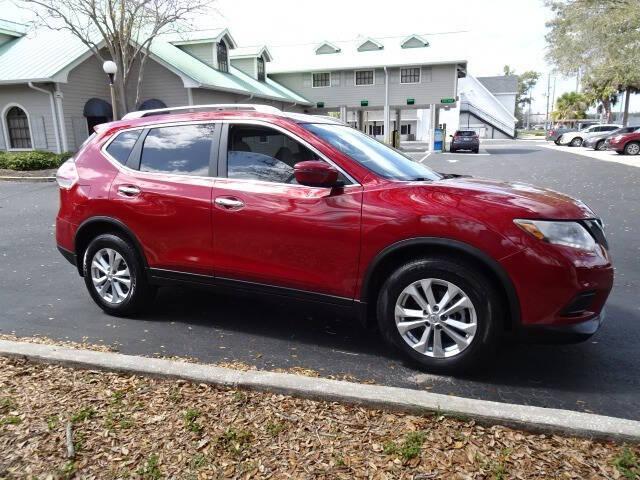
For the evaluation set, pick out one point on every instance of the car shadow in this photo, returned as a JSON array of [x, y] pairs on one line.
[[322, 329]]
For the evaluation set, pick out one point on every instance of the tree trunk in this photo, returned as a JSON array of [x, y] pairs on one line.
[[625, 115]]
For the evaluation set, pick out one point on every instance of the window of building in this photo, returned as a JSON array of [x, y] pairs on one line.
[[322, 79], [261, 73], [18, 128], [251, 158], [410, 75], [223, 57], [376, 130], [181, 149], [121, 146], [364, 77]]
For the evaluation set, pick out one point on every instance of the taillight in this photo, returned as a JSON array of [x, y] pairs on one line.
[[67, 174]]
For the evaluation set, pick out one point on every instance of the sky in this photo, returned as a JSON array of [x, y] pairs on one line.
[[490, 33]]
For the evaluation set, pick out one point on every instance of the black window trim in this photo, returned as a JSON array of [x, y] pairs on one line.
[[373, 77], [411, 67], [132, 165], [222, 154]]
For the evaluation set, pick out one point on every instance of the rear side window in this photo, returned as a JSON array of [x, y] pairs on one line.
[[121, 146], [181, 149]]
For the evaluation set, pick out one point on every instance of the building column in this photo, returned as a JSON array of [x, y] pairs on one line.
[[432, 126], [343, 113], [398, 123], [361, 120], [387, 110]]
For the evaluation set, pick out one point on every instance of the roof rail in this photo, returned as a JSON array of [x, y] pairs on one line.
[[193, 108]]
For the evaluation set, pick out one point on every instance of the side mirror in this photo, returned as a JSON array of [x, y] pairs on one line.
[[315, 173], [450, 136]]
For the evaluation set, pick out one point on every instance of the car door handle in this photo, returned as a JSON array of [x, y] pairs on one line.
[[128, 190], [229, 203]]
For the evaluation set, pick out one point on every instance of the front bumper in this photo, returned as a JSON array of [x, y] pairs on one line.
[[574, 333]]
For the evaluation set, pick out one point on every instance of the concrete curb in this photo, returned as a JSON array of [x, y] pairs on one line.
[[27, 179], [538, 419]]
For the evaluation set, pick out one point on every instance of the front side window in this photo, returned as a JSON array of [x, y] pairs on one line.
[[18, 128], [364, 77], [263, 153], [410, 75], [322, 79], [261, 74], [223, 57], [370, 153], [121, 146], [182, 149]]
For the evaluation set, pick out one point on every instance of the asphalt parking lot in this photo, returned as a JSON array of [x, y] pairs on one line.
[[41, 294]]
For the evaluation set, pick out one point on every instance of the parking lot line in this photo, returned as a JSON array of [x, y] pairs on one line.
[[425, 157]]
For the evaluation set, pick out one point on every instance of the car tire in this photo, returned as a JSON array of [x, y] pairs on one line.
[[441, 273], [557, 141], [600, 146], [452, 150], [476, 150], [575, 142], [632, 148], [125, 289]]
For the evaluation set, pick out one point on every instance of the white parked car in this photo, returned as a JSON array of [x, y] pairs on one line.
[[575, 139]]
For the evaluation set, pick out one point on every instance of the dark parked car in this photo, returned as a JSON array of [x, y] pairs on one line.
[[625, 143], [465, 140], [598, 141], [250, 198]]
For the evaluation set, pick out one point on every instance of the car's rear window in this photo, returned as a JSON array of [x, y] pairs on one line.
[[465, 133], [121, 146]]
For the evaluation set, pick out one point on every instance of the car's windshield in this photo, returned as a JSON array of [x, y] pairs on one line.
[[372, 154]]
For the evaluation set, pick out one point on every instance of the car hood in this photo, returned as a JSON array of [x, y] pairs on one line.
[[520, 199]]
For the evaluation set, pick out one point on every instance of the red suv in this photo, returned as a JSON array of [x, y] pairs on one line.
[[625, 143], [251, 198]]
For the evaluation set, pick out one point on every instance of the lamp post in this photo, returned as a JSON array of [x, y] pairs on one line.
[[110, 68]]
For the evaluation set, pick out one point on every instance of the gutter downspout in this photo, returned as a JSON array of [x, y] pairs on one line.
[[386, 106], [54, 117], [63, 128]]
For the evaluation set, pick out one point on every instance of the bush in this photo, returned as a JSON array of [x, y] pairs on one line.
[[33, 160]]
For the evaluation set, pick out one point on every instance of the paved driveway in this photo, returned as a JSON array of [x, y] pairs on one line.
[[41, 294]]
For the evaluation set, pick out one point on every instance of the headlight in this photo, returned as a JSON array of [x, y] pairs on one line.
[[569, 234], [616, 138]]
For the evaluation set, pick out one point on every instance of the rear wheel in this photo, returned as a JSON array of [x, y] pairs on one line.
[[632, 148], [576, 142], [557, 141], [443, 314], [476, 150], [114, 276], [452, 150]]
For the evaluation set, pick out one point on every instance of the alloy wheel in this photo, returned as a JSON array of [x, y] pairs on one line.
[[436, 318], [111, 276], [633, 149]]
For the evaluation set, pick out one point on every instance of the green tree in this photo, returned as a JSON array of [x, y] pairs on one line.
[[600, 39], [570, 105], [508, 70], [600, 89]]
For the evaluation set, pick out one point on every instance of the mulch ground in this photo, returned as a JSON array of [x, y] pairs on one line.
[[26, 174], [127, 426]]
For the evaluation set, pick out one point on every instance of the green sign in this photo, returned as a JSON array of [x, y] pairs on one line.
[[447, 100], [411, 101], [320, 104], [364, 103]]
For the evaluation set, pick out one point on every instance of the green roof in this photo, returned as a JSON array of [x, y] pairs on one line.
[[45, 55]]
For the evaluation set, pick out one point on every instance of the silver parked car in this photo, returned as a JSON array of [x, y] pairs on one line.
[[575, 139]]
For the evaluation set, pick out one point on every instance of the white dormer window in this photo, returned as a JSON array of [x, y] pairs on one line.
[[369, 44], [326, 48], [414, 41], [322, 79]]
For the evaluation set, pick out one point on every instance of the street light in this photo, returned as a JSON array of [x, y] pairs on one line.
[[110, 68]]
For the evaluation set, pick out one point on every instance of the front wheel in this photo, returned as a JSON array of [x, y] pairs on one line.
[[601, 146], [114, 276], [632, 148], [443, 314], [576, 142]]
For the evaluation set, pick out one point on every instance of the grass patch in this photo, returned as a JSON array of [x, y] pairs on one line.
[[409, 448], [627, 464], [68, 470], [10, 420], [198, 461], [7, 404], [83, 414], [151, 468], [235, 441], [52, 422], [275, 428], [191, 420]]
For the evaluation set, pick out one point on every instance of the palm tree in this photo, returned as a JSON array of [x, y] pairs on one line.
[[569, 106]]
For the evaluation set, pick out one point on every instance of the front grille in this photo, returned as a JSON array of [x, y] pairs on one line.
[[596, 229]]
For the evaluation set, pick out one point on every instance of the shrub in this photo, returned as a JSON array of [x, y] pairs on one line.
[[32, 160]]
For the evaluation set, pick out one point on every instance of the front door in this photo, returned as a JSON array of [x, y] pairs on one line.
[[272, 231], [164, 195]]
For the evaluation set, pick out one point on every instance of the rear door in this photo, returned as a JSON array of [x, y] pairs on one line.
[[163, 194], [274, 232]]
